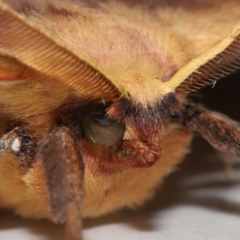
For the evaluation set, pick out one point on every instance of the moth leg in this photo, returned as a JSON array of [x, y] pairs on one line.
[[64, 170], [22, 145], [219, 130]]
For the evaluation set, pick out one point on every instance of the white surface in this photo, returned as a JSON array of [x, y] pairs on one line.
[[195, 203]]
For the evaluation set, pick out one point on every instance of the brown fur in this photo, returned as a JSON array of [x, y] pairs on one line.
[[137, 48]]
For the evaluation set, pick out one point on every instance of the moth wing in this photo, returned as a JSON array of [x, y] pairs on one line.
[[45, 54], [214, 64]]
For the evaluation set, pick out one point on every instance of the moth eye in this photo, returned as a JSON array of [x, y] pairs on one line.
[[99, 128]]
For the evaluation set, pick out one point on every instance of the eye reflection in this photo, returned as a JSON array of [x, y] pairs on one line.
[[99, 128]]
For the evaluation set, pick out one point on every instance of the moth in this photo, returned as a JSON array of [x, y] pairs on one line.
[[93, 99]]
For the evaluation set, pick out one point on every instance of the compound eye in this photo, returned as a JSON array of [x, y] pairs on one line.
[[99, 128]]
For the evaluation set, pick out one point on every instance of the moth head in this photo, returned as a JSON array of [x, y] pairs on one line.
[[98, 100], [111, 123]]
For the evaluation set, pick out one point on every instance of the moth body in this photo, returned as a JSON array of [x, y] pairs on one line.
[[68, 67]]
